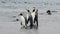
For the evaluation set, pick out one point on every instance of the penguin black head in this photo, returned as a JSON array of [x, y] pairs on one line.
[[33, 10], [21, 14], [28, 10]]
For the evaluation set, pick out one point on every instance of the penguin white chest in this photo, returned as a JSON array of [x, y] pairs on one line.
[[23, 20], [33, 15], [27, 16]]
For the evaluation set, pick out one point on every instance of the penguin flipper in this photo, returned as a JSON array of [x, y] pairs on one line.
[[28, 19], [21, 23]]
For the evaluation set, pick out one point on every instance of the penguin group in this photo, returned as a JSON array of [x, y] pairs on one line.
[[32, 18]]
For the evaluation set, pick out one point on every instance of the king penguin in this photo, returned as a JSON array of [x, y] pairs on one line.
[[35, 16], [23, 21], [30, 19]]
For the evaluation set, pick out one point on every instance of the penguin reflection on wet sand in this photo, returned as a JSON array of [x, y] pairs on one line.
[[35, 16], [30, 19], [23, 21], [49, 12]]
